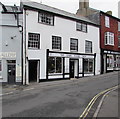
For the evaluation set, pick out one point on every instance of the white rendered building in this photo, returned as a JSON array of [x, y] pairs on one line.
[[58, 44]]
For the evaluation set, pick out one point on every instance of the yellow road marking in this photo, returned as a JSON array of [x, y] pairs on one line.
[[87, 109]]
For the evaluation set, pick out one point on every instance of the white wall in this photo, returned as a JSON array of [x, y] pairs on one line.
[[9, 27], [66, 29]]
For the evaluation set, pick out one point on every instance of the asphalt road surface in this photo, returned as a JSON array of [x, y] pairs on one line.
[[66, 99]]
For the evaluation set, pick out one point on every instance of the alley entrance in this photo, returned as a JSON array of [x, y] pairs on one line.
[[33, 70]]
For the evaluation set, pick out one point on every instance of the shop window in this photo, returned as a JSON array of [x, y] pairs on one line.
[[110, 61], [119, 40], [56, 42], [107, 21], [88, 47], [109, 38], [55, 65], [88, 65], [116, 61], [46, 18], [73, 44], [33, 41], [81, 27], [0, 65]]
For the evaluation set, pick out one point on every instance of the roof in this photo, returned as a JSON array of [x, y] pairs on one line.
[[39, 6]]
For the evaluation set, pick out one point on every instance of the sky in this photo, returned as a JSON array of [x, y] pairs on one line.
[[73, 5]]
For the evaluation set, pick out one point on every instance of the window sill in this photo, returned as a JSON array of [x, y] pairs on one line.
[[109, 45], [81, 31], [73, 51]]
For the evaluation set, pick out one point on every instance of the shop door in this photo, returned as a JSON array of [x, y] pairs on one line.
[[72, 67], [11, 64]]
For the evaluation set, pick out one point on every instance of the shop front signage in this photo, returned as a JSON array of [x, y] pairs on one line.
[[70, 55]]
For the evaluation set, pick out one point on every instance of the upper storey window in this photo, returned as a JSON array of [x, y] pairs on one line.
[[81, 27], [46, 18], [109, 38], [107, 21]]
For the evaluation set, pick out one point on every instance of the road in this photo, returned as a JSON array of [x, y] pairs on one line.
[[66, 98]]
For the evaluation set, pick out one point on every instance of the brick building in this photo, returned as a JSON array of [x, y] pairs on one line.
[[109, 35]]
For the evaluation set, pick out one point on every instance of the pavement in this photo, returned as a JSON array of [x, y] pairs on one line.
[[109, 106]]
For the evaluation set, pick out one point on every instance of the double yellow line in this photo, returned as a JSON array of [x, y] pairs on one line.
[[87, 109]]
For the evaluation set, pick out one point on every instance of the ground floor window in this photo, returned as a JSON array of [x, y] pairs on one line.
[[54, 65], [0, 65], [113, 61], [110, 61], [88, 65]]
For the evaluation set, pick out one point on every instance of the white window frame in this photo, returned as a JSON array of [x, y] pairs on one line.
[[109, 38], [46, 18], [73, 44], [33, 41], [81, 27], [56, 42], [107, 21], [88, 48]]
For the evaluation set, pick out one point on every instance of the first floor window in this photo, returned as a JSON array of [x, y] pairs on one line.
[[0, 65], [73, 44], [54, 65], [33, 41], [109, 38], [88, 65], [88, 46], [56, 42]]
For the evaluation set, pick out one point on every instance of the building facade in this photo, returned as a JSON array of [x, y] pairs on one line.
[[109, 37], [58, 44], [110, 42], [10, 44], [44, 43]]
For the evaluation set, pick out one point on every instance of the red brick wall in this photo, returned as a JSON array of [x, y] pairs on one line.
[[113, 28]]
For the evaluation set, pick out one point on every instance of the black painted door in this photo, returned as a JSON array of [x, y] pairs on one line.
[[72, 67], [11, 72]]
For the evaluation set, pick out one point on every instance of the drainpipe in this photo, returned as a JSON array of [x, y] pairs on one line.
[[24, 48]]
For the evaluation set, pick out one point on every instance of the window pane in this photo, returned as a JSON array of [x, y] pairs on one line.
[[109, 38], [88, 47], [33, 40], [46, 18], [107, 22], [74, 44], [86, 65], [0, 65], [51, 65], [58, 65], [91, 65], [54, 65], [81, 26], [56, 42]]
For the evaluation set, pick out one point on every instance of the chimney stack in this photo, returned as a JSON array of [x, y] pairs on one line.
[[83, 4]]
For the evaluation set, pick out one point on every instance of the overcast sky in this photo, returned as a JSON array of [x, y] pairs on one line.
[[73, 5]]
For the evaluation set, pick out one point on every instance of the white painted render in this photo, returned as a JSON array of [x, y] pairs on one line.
[[64, 28], [10, 42]]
